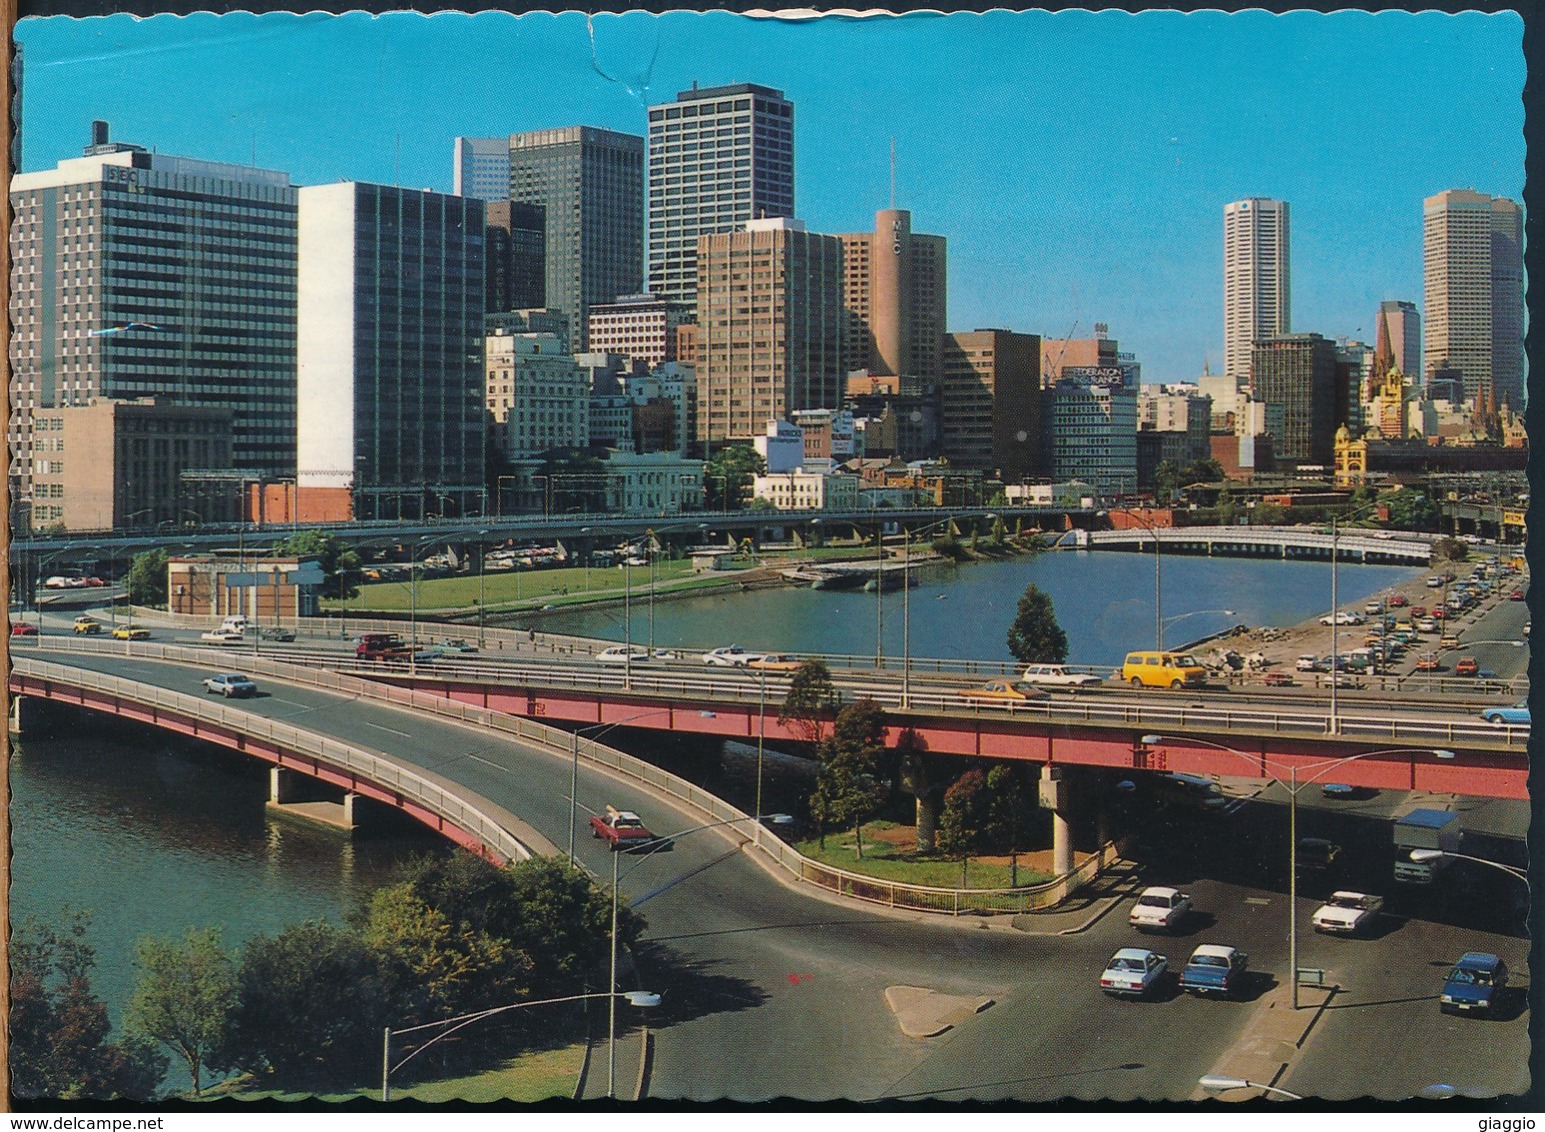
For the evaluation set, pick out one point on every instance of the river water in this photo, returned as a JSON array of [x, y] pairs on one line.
[[1103, 600], [151, 836]]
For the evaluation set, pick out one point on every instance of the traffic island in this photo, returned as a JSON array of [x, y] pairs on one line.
[[924, 1013], [1270, 1041]]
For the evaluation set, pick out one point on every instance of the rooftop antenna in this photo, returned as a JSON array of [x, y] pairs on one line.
[[893, 172]]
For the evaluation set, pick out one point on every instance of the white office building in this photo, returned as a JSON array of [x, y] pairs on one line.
[[1256, 279]]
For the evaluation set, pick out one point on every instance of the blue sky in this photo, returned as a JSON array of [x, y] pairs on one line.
[[1078, 162]]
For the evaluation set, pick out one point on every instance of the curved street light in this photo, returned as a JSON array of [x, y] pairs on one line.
[[635, 998], [1293, 786], [1218, 1084], [649, 848], [1434, 854]]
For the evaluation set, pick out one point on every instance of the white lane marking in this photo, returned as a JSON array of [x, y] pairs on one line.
[[487, 762], [1256, 900], [393, 730]]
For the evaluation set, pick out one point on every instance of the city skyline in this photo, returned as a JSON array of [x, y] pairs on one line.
[[1050, 228]]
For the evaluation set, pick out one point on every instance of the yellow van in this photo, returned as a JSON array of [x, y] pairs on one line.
[[1163, 670]]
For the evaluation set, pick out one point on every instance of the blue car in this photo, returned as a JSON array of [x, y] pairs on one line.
[[1517, 714], [1474, 984]]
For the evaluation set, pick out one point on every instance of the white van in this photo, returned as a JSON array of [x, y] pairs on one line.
[[235, 623]]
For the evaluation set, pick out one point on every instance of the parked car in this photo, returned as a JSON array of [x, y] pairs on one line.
[[1215, 969], [1400, 599], [1448, 641], [1373, 608], [623, 654], [1307, 663], [1435, 582], [730, 656], [1002, 690], [1516, 714], [1058, 676], [1428, 662], [1427, 625], [1347, 913], [1160, 909], [23, 629], [1343, 617], [87, 626], [1474, 984], [1516, 595], [230, 684], [1133, 971], [131, 633]]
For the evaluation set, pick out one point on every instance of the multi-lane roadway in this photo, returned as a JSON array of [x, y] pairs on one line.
[[771, 990]]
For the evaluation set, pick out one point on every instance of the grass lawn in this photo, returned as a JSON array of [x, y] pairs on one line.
[[536, 1076], [514, 587], [886, 860]]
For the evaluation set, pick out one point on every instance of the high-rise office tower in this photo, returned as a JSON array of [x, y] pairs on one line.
[[1299, 372], [894, 289], [1256, 280], [1473, 284], [137, 275], [718, 157], [1403, 325], [482, 168], [771, 341], [516, 252], [391, 348], [991, 404], [591, 182]]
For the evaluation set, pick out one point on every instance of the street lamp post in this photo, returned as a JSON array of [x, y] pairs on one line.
[[1217, 1084], [1434, 854], [636, 998], [1293, 786]]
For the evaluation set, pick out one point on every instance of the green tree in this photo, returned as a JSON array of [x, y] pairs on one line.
[[811, 695], [1450, 550], [1034, 636], [847, 787], [727, 476], [963, 823], [1411, 511], [1202, 471], [59, 1048], [334, 556], [923, 776], [312, 1001], [1270, 514], [436, 966], [185, 996], [147, 578], [1166, 480], [1008, 812]]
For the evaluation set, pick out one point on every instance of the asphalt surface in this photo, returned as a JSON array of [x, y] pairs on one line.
[[774, 991]]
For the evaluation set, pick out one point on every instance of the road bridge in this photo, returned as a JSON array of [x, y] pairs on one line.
[[1261, 542]]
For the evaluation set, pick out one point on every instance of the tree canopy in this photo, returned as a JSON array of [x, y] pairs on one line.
[[727, 476], [334, 556], [147, 577], [810, 696], [1034, 636], [185, 996], [848, 788], [59, 1048]]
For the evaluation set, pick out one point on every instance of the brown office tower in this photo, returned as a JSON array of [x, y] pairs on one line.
[[1299, 372], [991, 417], [770, 325], [894, 290]]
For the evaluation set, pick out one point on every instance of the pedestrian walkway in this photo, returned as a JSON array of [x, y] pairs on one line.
[[1085, 907]]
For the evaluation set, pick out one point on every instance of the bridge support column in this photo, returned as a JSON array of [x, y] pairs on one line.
[[1055, 797], [14, 717]]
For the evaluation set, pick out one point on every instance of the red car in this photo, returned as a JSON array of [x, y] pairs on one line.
[[1466, 666], [1516, 595], [1279, 680], [1438, 613], [22, 629], [1399, 600], [1418, 611]]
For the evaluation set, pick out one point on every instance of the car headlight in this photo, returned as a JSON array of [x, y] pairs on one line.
[[1446, 998]]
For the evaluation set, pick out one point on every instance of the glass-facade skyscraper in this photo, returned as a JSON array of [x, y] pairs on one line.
[[718, 157], [137, 275], [591, 182], [391, 348]]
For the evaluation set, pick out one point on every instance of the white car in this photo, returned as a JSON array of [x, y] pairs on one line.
[[730, 656], [223, 636], [1347, 913], [623, 654], [1307, 663], [1058, 675], [1133, 971], [1160, 909], [230, 684], [1343, 617]]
